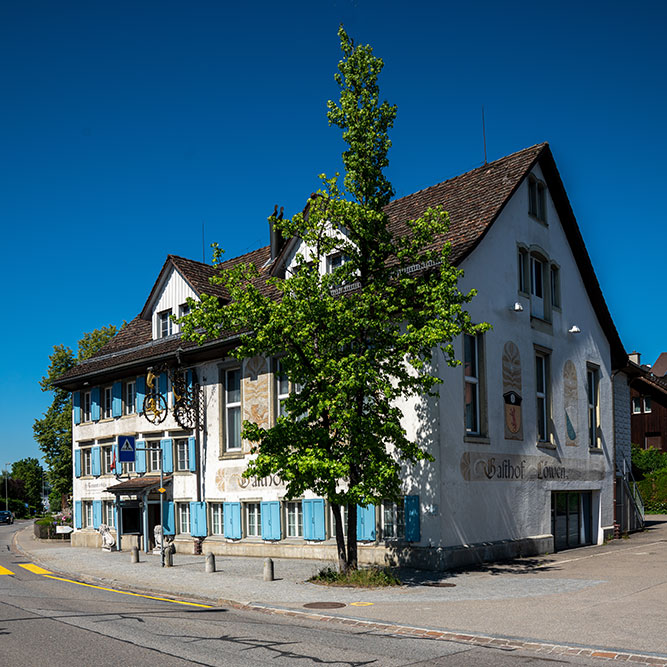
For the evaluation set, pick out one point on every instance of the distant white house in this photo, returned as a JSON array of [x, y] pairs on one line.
[[523, 432]]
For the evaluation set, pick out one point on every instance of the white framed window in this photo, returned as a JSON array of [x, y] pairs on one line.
[[86, 462], [109, 513], [536, 287], [593, 392], [253, 520], [647, 404], [393, 520], [164, 323], [182, 455], [294, 512], [542, 395], [107, 460], [87, 407], [537, 199], [233, 409], [636, 405], [183, 513], [473, 388], [554, 275], [217, 519], [336, 260], [282, 390], [107, 399], [522, 270], [183, 310], [87, 507], [343, 516], [127, 467], [130, 396], [153, 456]]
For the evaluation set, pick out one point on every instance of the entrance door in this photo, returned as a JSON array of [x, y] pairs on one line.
[[153, 520], [571, 521]]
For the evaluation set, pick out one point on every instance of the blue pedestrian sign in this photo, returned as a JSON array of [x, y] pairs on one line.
[[126, 448]]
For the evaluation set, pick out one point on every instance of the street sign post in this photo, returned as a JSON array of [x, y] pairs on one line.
[[126, 448]]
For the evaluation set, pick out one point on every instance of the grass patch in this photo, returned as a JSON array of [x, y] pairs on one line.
[[372, 577]]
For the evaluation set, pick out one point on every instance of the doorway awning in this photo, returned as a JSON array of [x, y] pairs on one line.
[[138, 485]]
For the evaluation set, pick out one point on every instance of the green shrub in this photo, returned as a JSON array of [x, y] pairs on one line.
[[646, 461], [654, 491], [372, 577]]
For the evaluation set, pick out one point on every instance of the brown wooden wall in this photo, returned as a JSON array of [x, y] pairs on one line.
[[649, 430]]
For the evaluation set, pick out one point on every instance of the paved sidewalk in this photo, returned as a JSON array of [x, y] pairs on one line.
[[612, 597]]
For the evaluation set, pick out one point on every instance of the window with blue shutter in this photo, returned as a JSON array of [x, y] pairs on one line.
[[168, 518], [189, 379], [162, 384], [140, 393], [119, 466], [232, 517], [198, 519], [313, 519], [95, 404], [140, 456], [117, 399], [167, 445], [77, 463], [192, 453], [270, 512], [78, 515], [76, 404], [412, 522], [97, 513], [95, 461], [366, 523]]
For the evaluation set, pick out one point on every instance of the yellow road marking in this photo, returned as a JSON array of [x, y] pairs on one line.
[[362, 604], [34, 569], [4, 570], [137, 595]]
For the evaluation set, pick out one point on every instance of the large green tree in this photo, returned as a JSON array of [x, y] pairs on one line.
[[355, 322], [31, 473], [53, 432]]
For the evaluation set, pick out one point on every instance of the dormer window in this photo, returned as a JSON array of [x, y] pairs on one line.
[[336, 261], [164, 323], [537, 199]]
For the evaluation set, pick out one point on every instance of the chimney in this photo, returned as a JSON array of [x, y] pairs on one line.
[[635, 357], [276, 238]]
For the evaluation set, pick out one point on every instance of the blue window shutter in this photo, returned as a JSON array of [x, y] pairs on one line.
[[192, 453], [97, 513], [140, 456], [117, 399], [95, 403], [366, 523], [162, 384], [95, 461], [412, 525], [188, 379], [167, 445], [274, 509], [78, 515], [77, 463], [198, 519], [76, 403], [313, 519], [232, 518], [265, 513], [140, 393], [168, 518], [119, 466]]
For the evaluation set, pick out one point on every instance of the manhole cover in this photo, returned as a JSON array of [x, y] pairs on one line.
[[323, 605], [439, 584]]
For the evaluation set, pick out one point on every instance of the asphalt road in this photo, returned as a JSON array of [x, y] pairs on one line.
[[49, 620]]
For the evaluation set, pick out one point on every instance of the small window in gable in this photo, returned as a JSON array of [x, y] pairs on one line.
[[537, 196], [164, 323]]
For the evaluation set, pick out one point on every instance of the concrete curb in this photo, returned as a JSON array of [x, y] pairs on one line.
[[471, 639]]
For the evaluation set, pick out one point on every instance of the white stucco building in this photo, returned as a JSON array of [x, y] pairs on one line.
[[523, 432]]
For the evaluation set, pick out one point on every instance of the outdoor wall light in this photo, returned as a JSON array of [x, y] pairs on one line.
[[574, 329], [517, 307]]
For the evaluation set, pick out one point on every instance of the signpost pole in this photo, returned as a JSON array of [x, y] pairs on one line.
[[161, 512]]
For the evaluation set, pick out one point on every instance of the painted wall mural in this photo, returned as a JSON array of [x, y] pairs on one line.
[[570, 401], [512, 392], [256, 394]]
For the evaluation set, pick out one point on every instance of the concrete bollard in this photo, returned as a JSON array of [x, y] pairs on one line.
[[134, 555], [210, 562], [268, 569], [168, 558]]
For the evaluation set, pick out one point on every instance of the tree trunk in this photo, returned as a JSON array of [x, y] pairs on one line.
[[352, 563], [340, 538]]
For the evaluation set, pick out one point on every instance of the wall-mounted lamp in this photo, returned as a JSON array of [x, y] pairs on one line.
[[574, 329], [517, 307]]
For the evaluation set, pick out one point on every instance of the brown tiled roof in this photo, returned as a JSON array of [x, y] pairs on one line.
[[474, 201], [135, 484], [659, 368]]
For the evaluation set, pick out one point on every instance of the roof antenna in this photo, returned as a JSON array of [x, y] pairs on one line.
[[203, 245], [484, 135]]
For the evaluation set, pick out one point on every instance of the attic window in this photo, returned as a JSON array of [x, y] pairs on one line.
[[537, 195], [164, 323]]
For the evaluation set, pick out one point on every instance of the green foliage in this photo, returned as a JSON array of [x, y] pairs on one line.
[[53, 432], [654, 491], [646, 461], [356, 340], [372, 577], [31, 473]]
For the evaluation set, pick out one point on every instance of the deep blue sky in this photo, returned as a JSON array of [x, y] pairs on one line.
[[125, 125]]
